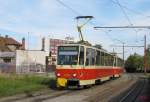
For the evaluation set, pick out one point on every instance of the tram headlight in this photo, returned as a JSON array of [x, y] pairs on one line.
[[58, 74], [74, 75]]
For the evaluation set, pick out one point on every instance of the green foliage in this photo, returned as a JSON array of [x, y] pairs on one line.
[[13, 84], [134, 63]]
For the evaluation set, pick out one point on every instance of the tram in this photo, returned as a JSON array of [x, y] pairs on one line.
[[83, 65]]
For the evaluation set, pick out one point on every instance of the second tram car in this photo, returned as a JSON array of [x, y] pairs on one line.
[[83, 65]]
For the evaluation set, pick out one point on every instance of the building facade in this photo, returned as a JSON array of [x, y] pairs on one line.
[[30, 61], [15, 59], [8, 47]]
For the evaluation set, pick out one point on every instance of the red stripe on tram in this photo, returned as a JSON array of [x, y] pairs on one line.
[[87, 74]]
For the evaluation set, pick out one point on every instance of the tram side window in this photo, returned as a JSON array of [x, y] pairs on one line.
[[90, 56], [93, 56], [98, 58], [118, 62], [102, 58], [81, 57], [106, 59], [111, 60], [114, 61]]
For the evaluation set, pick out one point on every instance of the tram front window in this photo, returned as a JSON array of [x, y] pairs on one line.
[[67, 55]]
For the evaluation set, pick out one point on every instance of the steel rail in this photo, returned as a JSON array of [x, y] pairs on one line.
[[138, 85]]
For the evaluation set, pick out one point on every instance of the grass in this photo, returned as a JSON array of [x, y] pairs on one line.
[[14, 84]]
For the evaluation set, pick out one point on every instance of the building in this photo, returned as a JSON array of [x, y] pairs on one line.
[[30, 61], [7, 62], [15, 59], [8, 44], [8, 47]]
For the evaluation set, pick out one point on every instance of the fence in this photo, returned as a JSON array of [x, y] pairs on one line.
[[30, 68], [26, 68], [7, 67]]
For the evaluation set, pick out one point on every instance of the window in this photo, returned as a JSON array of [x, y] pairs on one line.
[[90, 56], [102, 58], [81, 57], [115, 61], [98, 58], [7, 60], [111, 60], [106, 59], [67, 55]]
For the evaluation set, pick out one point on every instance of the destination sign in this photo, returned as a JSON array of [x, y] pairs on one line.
[[68, 53], [68, 48]]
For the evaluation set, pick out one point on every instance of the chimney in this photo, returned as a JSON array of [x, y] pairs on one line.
[[6, 36], [43, 44], [23, 43]]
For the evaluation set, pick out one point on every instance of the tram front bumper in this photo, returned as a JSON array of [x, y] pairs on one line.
[[63, 82], [72, 82]]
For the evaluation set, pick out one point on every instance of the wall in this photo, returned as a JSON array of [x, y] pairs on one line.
[[7, 67], [30, 61]]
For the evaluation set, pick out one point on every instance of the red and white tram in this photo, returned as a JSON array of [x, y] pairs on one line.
[[82, 65]]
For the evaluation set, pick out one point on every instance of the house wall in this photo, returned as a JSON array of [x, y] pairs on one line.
[[12, 47], [30, 61], [7, 67]]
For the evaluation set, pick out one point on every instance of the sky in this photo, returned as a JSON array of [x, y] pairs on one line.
[[34, 19]]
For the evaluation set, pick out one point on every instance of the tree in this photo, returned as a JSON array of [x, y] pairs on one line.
[[134, 63]]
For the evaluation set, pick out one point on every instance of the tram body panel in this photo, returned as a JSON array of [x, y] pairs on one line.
[[86, 75]]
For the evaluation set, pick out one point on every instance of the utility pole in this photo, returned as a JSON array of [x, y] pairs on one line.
[[123, 53], [145, 55]]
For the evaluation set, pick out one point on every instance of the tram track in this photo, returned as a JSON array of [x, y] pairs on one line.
[[93, 96], [112, 90], [97, 93], [133, 93]]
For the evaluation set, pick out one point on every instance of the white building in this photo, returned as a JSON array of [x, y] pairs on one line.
[[30, 61]]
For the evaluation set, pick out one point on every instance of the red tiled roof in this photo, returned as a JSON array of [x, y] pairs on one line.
[[7, 41], [11, 41]]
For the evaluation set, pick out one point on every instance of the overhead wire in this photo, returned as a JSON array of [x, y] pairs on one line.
[[131, 10], [126, 16], [77, 13], [68, 7]]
